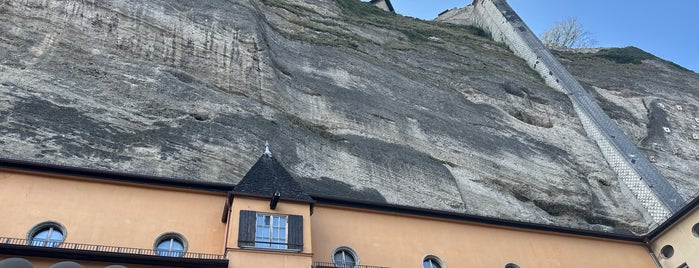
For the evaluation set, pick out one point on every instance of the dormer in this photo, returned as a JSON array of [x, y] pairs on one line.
[[269, 217]]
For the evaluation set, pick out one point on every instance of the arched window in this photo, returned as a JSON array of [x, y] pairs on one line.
[[345, 257], [171, 245], [16, 263], [432, 262], [511, 265], [46, 234], [695, 230], [66, 264]]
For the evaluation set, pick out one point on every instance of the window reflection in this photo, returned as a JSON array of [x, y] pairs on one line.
[[47, 237], [170, 247]]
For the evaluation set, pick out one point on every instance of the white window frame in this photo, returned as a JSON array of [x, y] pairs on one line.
[[270, 244]]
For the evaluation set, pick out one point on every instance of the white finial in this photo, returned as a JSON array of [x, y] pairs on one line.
[[267, 152]]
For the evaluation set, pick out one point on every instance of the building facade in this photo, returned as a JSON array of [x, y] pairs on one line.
[[55, 216], [676, 242]]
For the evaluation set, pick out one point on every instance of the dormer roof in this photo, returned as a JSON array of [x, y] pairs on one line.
[[266, 177]]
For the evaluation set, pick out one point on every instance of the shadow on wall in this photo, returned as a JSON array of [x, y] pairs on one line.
[[330, 187]]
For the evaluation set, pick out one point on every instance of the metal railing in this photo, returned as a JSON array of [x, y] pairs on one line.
[[109, 249], [269, 245], [646, 183], [341, 265]]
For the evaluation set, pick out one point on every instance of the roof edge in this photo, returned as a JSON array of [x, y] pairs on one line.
[[113, 175], [305, 201], [674, 218]]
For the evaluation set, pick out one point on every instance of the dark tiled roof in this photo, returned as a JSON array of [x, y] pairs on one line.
[[268, 176]]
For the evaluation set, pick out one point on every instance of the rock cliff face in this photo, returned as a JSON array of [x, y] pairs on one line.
[[655, 102], [355, 102]]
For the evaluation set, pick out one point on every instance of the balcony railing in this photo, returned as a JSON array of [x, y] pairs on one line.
[[109, 249], [340, 265]]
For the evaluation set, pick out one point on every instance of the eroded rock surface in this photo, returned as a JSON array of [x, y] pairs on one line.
[[355, 102], [655, 102]]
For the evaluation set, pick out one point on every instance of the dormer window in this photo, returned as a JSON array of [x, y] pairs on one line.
[[270, 231]]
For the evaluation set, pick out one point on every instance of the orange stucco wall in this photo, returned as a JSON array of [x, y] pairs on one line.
[[391, 240], [243, 258], [105, 213], [684, 242], [128, 215], [261, 258]]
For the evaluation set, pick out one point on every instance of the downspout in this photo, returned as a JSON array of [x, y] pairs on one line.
[[650, 251], [229, 208], [225, 239], [655, 259]]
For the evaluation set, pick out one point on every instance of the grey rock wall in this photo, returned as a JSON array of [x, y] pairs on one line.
[[644, 183], [643, 105]]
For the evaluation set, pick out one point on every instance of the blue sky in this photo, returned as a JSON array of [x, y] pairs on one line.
[[667, 29]]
